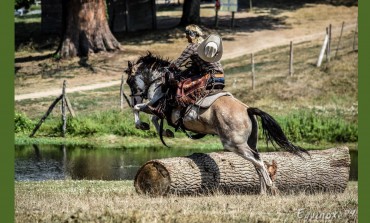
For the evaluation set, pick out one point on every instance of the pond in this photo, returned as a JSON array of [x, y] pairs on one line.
[[46, 162]]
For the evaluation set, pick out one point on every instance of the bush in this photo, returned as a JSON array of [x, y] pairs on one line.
[[22, 123], [108, 122], [82, 126], [118, 123], [309, 126]]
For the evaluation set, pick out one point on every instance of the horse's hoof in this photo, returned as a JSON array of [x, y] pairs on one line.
[[263, 193], [168, 133], [274, 191], [143, 126]]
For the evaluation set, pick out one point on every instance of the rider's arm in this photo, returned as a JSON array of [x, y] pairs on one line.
[[189, 50]]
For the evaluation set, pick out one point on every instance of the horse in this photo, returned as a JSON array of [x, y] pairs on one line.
[[233, 121]]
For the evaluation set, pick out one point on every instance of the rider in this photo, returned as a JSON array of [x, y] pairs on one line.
[[191, 77]]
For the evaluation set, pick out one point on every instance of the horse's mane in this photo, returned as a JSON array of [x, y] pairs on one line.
[[153, 62]]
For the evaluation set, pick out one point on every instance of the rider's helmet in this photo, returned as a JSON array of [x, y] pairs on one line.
[[195, 33]]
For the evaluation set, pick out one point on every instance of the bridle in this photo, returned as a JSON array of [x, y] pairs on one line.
[[143, 93]]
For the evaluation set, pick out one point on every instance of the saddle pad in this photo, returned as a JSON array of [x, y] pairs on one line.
[[208, 101]]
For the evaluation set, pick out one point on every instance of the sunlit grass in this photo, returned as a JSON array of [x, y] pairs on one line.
[[117, 201]]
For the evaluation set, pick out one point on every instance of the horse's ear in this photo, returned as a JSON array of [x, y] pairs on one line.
[[129, 68]]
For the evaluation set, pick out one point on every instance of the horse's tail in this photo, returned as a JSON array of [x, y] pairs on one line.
[[273, 132]]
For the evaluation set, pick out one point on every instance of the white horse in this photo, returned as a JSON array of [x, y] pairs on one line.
[[230, 119]]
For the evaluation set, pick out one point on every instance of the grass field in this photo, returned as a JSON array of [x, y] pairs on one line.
[[117, 201]]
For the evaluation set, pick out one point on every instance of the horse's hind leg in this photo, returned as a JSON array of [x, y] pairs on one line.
[[253, 138], [252, 143], [265, 180]]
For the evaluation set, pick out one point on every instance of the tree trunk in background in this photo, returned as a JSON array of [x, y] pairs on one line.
[[190, 13], [86, 29], [227, 172]]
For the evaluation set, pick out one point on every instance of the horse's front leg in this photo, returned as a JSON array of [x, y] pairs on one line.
[[167, 132], [138, 123]]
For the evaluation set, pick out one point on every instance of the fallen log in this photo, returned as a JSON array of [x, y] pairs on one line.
[[227, 172]]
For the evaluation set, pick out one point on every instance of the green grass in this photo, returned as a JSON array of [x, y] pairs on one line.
[[302, 126]]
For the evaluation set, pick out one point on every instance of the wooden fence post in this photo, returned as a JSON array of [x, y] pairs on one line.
[[291, 59], [340, 38], [65, 103], [253, 73], [323, 48], [46, 115], [232, 19], [329, 44], [250, 6], [64, 117], [69, 106], [354, 36], [121, 92], [123, 95]]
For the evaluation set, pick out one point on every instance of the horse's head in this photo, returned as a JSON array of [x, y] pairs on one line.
[[136, 83], [142, 74]]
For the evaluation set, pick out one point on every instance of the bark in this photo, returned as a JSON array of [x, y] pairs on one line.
[[86, 29], [190, 13], [226, 172]]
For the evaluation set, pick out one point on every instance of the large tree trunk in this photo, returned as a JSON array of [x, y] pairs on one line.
[[227, 172], [86, 29], [190, 13]]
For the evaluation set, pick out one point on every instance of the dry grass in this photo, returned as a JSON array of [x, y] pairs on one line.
[[332, 87], [117, 201]]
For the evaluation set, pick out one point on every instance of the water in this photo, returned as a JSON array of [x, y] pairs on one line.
[[45, 162]]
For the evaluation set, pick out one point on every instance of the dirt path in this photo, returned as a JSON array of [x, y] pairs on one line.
[[242, 43]]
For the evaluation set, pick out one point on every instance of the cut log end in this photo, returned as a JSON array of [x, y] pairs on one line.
[[153, 179]]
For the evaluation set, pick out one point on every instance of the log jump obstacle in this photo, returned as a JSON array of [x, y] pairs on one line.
[[226, 172]]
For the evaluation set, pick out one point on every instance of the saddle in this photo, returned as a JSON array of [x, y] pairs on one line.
[[190, 90], [186, 92]]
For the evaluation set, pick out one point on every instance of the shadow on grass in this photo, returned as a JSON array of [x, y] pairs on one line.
[[32, 58]]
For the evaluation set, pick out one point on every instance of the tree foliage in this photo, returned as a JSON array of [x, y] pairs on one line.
[[22, 3]]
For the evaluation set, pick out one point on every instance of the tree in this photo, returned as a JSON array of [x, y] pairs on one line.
[[190, 12], [85, 29]]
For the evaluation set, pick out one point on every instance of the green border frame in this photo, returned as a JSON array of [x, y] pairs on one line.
[[364, 111], [7, 111]]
